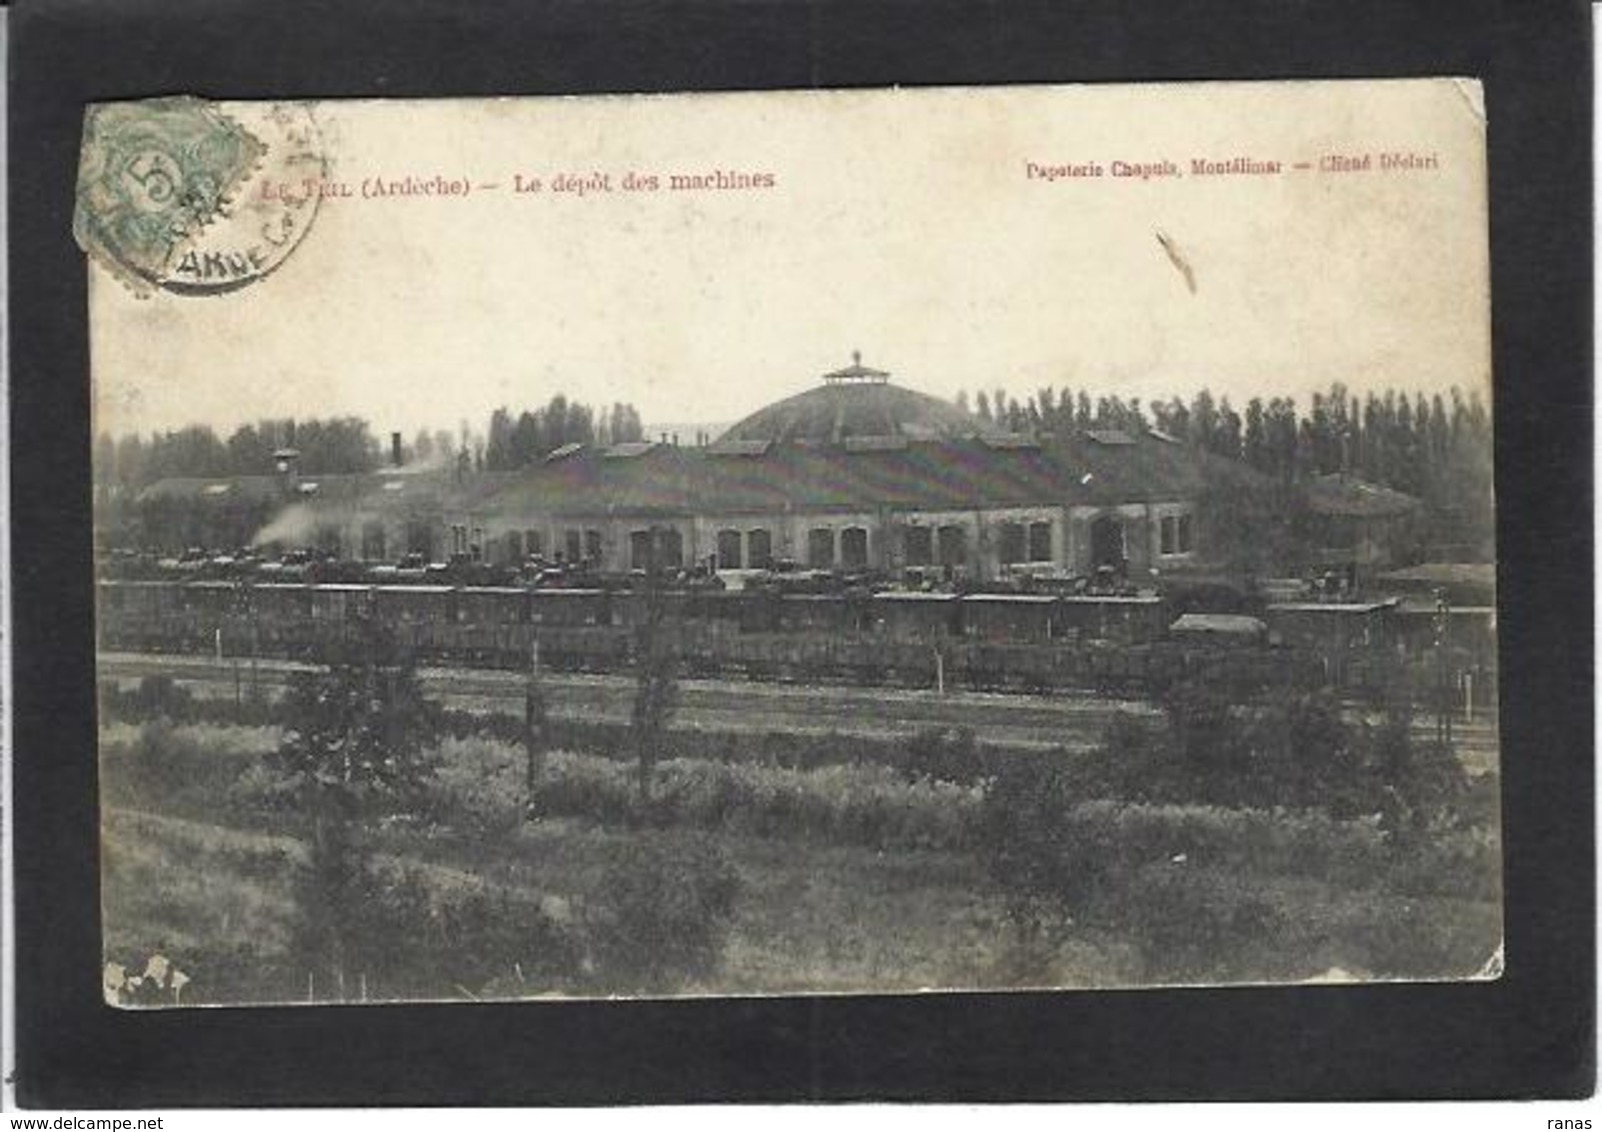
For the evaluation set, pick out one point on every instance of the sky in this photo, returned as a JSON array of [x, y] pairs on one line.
[[902, 223]]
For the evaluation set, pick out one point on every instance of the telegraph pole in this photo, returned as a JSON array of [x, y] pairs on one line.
[[533, 727], [1444, 699]]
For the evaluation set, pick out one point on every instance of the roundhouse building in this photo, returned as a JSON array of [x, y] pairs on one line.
[[858, 473]]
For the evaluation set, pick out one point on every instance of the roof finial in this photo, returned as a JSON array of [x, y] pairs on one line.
[[856, 373]]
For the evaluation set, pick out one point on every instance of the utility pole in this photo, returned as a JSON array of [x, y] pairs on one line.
[[533, 727], [1444, 705]]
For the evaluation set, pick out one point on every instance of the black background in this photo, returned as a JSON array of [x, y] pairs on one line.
[[1529, 1034]]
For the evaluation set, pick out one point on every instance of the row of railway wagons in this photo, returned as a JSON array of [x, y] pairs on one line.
[[894, 615], [999, 641]]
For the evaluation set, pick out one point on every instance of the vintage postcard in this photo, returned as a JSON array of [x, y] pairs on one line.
[[796, 542]]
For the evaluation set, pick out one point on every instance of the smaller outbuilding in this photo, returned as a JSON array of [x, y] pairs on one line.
[[1358, 528]]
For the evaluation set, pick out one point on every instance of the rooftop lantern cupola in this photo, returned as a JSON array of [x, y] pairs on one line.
[[856, 373], [857, 407]]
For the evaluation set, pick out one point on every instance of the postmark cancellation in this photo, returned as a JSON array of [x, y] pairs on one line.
[[162, 195]]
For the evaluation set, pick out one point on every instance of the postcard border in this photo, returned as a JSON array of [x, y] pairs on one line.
[[1529, 1034]]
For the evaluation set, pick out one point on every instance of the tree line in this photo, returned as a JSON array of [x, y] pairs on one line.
[[1437, 447], [346, 445], [338, 444], [515, 442]]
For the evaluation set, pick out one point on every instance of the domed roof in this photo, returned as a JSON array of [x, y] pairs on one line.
[[857, 405]]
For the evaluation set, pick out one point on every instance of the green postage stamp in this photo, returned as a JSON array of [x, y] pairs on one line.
[[164, 197]]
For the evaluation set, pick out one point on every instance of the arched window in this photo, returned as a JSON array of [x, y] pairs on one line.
[[1176, 534], [759, 549], [1107, 542], [669, 546], [919, 543], [1010, 540], [1040, 542], [327, 537], [952, 542], [820, 548], [854, 548], [672, 546], [373, 541], [729, 557]]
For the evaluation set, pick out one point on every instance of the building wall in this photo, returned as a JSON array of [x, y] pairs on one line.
[[888, 536], [1142, 526], [883, 539]]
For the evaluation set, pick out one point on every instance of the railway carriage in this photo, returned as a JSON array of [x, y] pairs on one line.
[[336, 603], [822, 613], [416, 605], [915, 615], [139, 614], [570, 608], [281, 602], [491, 605], [1010, 618], [1127, 619], [1333, 626], [736, 611], [281, 619], [216, 600]]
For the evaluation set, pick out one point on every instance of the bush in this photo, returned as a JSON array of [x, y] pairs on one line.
[[945, 754], [403, 932], [1282, 842], [1043, 853], [262, 791], [478, 787], [179, 769], [1137, 869], [1434, 940], [1293, 752], [661, 916], [1466, 864], [584, 786], [1190, 930], [934, 752], [861, 805], [161, 696]]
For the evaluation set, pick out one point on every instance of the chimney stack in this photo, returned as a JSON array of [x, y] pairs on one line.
[[286, 461], [395, 449]]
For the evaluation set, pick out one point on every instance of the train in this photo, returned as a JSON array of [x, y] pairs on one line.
[[1112, 643]]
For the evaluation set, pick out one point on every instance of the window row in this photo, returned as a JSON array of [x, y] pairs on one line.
[[752, 549]]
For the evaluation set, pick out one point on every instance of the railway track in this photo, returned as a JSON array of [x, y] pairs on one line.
[[1073, 721]]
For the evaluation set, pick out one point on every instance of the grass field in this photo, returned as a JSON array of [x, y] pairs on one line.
[[845, 878]]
